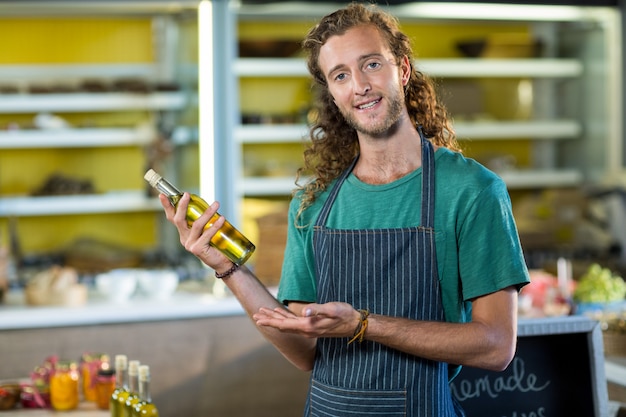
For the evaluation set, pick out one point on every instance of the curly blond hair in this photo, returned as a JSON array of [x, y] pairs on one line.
[[334, 143]]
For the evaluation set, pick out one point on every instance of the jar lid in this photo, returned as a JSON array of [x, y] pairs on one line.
[[64, 365], [106, 372]]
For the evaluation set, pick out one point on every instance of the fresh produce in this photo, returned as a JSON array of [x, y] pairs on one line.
[[599, 285]]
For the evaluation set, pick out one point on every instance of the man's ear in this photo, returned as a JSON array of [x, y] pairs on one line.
[[405, 67]]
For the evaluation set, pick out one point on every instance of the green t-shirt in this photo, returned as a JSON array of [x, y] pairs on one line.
[[476, 239]]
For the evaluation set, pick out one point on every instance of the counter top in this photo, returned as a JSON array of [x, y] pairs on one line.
[[15, 314], [84, 409]]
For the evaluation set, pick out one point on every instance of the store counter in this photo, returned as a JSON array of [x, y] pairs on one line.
[[83, 410], [205, 354]]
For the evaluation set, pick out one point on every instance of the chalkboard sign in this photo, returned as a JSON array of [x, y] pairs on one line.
[[558, 371]]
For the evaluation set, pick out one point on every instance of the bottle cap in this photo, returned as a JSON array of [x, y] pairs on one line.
[[133, 367], [152, 177], [144, 372], [121, 361]]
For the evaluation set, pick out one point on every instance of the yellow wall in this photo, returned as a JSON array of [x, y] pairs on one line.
[[75, 40]]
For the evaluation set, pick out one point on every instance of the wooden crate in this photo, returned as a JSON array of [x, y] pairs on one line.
[[614, 343], [271, 247]]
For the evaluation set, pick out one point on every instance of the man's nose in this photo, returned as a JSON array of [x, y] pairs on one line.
[[361, 83]]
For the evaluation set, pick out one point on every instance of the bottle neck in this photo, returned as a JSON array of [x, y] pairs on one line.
[[133, 383], [120, 378], [144, 390], [166, 188]]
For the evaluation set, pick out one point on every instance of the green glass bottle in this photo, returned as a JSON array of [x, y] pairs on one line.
[[121, 372], [132, 397], [228, 240], [145, 407]]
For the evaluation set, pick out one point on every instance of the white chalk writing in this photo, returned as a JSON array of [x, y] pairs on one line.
[[541, 412], [516, 381]]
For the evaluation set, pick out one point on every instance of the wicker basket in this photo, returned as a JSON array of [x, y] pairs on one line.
[[614, 343], [271, 247]]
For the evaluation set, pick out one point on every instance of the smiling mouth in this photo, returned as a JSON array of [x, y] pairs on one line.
[[368, 105]]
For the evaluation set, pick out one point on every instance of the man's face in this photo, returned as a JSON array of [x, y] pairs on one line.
[[364, 80]]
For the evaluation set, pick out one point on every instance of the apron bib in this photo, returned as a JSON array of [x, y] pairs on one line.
[[392, 272]]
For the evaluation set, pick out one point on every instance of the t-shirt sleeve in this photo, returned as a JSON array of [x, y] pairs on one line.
[[490, 253]]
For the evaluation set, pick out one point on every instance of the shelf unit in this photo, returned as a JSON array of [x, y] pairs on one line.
[[79, 102], [573, 143], [485, 130], [135, 104]]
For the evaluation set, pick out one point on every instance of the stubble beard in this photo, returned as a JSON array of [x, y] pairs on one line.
[[382, 127]]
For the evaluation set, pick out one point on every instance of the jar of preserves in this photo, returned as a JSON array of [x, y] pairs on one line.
[[64, 394], [105, 384], [89, 366]]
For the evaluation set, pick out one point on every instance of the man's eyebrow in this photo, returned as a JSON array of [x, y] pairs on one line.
[[361, 59]]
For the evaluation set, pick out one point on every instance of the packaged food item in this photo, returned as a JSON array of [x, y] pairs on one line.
[[90, 364], [36, 392], [64, 392], [105, 385]]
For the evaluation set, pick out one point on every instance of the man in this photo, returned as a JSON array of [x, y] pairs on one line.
[[403, 259]]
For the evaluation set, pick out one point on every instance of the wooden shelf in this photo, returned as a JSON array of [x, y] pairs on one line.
[[541, 178], [90, 137], [72, 72], [75, 138], [514, 179], [85, 102], [267, 186], [499, 130], [271, 133], [452, 67], [112, 202], [531, 129]]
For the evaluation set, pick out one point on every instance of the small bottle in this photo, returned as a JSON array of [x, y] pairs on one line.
[[105, 385], [133, 389], [121, 387], [64, 386], [145, 406], [228, 240], [123, 396]]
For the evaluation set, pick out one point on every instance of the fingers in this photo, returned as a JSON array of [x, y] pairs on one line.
[[325, 310], [202, 230], [204, 221], [277, 313], [310, 312], [167, 206]]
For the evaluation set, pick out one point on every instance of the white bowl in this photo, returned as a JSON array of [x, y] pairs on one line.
[[117, 285], [159, 283]]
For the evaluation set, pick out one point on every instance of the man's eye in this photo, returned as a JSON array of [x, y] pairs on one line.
[[373, 65], [340, 77]]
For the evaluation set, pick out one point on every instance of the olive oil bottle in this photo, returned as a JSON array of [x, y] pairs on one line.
[[145, 406], [132, 397], [123, 395], [228, 240], [121, 387]]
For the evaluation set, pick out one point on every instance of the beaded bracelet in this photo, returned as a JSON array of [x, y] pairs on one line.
[[359, 332], [227, 273]]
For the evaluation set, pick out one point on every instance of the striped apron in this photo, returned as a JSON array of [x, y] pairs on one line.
[[391, 272]]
